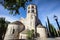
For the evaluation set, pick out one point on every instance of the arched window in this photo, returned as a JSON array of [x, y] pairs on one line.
[[32, 11], [32, 6], [28, 11], [28, 7], [13, 31]]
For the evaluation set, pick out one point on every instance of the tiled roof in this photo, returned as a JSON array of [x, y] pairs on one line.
[[22, 27], [16, 22]]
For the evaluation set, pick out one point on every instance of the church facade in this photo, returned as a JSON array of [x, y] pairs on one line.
[[18, 29]]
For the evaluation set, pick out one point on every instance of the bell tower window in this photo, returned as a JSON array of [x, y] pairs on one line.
[[28, 7], [32, 6], [32, 11], [28, 11]]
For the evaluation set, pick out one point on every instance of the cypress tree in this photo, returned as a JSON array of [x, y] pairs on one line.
[[51, 28]]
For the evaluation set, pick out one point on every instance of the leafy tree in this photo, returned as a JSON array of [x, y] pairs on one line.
[[14, 5], [2, 22], [51, 28], [3, 27], [56, 19], [30, 35], [47, 30]]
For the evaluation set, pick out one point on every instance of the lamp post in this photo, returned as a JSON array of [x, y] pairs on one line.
[[56, 19]]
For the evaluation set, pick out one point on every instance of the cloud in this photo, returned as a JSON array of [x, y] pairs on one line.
[[5, 13], [45, 8], [9, 18]]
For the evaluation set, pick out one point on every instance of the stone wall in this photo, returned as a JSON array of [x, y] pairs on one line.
[[12, 32], [42, 32]]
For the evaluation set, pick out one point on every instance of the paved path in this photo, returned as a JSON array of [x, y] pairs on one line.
[[58, 38]]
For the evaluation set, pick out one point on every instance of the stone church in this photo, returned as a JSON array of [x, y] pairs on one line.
[[18, 29]]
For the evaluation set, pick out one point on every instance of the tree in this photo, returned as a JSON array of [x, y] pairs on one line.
[[2, 22], [47, 30], [3, 27], [30, 35], [14, 5], [56, 19], [51, 28]]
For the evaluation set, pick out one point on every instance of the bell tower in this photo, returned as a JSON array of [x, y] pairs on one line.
[[32, 15]]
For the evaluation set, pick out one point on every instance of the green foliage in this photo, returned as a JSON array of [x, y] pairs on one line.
[[51, 28], [30, 34], [14, 5], [3, 27], [56, 19]]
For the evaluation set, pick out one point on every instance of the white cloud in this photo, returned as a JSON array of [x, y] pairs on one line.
[[9, 18]]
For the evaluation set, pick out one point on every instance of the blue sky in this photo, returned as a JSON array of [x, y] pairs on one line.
[[45, 8]]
